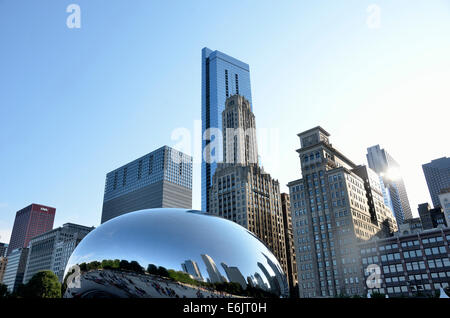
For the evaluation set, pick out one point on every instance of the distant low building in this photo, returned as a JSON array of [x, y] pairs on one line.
[[431, 218], [410, 226], [51, 250], [407, 265]]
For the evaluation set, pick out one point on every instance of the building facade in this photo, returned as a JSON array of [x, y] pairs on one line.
[[334, 206], [51, 250], [388, 169], [239, 132], [437, 175], [407, 265], [242, 191], [160, 179], [3, 263], [289, 243], [15, 268], [222, 76], [3, 249], [444, 199], [31, 221], [410, 226], [431, 218]]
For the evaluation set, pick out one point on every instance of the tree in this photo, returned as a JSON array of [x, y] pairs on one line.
[[3, 291], [124, 265], [377, 295], [44, 284], [94, 265], [135, 267], [162, 271], [152, 269]]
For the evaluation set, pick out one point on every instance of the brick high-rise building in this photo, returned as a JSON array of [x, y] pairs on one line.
[[335, 205], [31, 221], [242, 191]]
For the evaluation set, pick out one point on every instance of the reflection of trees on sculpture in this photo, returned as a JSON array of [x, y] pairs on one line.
[[176, 276]]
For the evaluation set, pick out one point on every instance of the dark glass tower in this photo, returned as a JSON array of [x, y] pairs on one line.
[[222, 76], [437, 174], [160, 179]]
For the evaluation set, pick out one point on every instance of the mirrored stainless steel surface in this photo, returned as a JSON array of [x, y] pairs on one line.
[[209, 250]]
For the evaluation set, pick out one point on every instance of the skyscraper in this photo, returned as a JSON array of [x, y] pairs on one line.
[[234, 275], [213, 271], [437, 174], [31, 221], [51, 250], [160, 179], [191, 267], [222, 76], [242, 191], [335, 205], [389, 171]]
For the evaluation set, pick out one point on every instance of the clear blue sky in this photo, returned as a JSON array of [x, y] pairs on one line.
[[77, 103]]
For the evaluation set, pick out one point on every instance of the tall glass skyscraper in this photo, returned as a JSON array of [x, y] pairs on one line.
[[222, 76], [388, 169]]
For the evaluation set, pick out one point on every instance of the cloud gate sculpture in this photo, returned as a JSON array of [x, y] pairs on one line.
[[174, 253]]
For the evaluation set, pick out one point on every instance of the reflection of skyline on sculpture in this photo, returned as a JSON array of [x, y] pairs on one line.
[[234, 274], [192, 269], [185, 241]]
